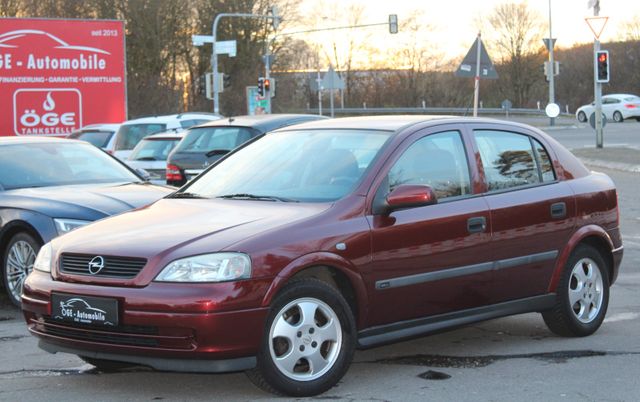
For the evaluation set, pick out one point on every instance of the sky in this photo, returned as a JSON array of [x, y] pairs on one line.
[[453, 21]]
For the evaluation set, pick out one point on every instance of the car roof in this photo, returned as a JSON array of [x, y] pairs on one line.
[[101, 127], [173, 117], [262, 122], [385, 123], [166, 135], [25, 139], [620, 95]]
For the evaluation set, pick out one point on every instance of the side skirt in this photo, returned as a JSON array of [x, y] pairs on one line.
[[396, 331]]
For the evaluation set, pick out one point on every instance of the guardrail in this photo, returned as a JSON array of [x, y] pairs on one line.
[[429, 110]]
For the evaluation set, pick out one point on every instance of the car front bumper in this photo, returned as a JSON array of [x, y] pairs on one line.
[[167, 326]]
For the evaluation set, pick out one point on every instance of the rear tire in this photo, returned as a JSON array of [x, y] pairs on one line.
[[17, 263], [617, 117], [582, 296], [309, 324]]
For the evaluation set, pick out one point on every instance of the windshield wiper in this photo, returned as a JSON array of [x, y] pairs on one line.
[[246, 196], [185, 195]]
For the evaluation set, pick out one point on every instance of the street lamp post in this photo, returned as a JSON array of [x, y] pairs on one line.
[[551, 71]]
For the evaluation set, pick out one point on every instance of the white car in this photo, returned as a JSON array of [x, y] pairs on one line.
[[100, 135], [151, 154], [132, 131], [616, 107]]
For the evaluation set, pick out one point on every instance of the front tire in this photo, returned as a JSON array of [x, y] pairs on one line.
[[582, 296], [19, 257], [617, 117], [582, 117], [308, 342]]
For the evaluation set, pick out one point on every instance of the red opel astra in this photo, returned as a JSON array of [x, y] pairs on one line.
[[317, 239]]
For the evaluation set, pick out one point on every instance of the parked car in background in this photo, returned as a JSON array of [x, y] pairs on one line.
[[132, 131], [616, 107], [50, 186], [206, 143], [316, 239], [100, 135], [152, 152]]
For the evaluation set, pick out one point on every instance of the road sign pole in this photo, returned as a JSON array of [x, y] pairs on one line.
[[476, 89], [551, 70]]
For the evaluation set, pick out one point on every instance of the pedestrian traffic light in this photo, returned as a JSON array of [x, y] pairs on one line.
[[226, 80], [261, 86], [602, 66]]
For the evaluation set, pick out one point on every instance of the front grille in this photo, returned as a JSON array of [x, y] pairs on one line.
[[124, 335], [114, 267]]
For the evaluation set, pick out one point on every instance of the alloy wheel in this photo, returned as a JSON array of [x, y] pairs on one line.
[[585, 290], [19, 263], [305, 339]]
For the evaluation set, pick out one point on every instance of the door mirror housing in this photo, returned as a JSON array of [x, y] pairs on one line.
[[410, 196]]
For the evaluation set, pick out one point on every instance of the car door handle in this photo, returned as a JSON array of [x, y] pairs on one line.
[[558, 210], [476, 224]]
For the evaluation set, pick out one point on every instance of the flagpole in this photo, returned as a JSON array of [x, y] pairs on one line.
[[476, 91]]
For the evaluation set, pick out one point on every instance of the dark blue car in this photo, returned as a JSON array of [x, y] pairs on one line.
[[51, 186]]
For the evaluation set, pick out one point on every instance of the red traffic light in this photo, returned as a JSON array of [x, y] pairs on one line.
[[602, 57], [267, 85]]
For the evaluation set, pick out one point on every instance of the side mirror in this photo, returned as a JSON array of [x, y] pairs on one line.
[[410, 196], [143, 173]]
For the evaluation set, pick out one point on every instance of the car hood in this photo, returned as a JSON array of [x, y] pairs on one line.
[[174, 228], [84, 202]]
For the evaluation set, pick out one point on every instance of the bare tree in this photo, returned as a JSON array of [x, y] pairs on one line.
[[631, 28], [515, 37]]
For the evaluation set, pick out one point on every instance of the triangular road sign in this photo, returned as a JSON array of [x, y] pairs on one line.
[[596, 24], [332, 80], [468, 66]]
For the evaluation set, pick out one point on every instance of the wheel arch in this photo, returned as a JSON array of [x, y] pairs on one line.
[[329, 268], [592, 235]]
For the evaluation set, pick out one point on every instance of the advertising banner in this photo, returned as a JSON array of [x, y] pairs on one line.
[[57, 76]]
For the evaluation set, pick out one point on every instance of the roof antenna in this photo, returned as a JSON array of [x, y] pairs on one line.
[[231, 120]]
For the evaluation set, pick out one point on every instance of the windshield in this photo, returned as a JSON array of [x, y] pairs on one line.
[[307, 166], [60, 163], [153, 150], [205, 139], [98, 138], [129, 135]]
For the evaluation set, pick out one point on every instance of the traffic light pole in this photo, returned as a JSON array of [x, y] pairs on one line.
[[268, 43], [214, 56], [597, 87]]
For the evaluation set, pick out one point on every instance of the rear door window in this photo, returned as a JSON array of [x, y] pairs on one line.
[[512, 160]]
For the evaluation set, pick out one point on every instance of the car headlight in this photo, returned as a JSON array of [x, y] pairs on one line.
[[43, 260], [67, 225], [216, 267]]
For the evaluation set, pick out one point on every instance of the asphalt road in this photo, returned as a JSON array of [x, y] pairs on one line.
[[513, 358]]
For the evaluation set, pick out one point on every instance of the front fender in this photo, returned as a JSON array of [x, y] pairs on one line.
[[321, 259], [39, 223], [576, 238]]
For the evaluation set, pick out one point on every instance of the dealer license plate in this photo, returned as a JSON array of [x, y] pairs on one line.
[[87, 310]]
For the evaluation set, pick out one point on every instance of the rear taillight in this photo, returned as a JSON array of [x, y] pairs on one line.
[[173, 173], [630, 106]]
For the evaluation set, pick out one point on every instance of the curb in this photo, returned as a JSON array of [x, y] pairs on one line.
[[625, 167]]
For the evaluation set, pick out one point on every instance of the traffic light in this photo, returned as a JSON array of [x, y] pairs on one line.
[[393, 23], [226, 80], [602, 66], [267, 85], [261, 86]]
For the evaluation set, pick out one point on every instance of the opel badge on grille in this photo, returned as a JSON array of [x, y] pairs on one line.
[[95, 265]]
